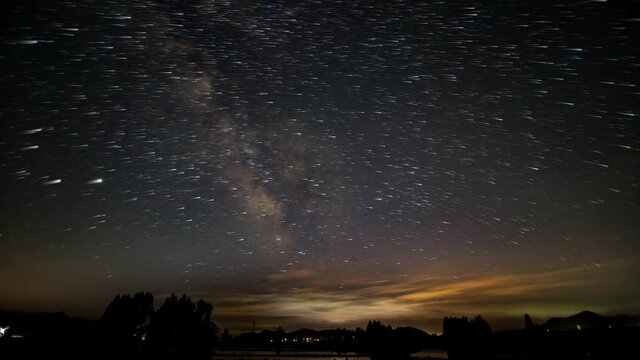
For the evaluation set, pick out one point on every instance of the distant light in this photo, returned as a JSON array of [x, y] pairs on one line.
[[578, 326], [3, 330], [95, 181]]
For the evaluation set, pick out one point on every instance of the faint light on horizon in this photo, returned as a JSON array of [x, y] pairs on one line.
[[95, 181]]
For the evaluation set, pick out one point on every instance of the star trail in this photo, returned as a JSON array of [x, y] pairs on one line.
[[322, 163]]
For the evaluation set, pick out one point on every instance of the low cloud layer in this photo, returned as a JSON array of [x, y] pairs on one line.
[[308, 297]]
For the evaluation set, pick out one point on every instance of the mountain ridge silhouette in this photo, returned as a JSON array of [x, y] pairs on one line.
[[590, 320]]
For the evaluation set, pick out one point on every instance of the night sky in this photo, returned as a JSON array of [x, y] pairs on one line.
[[322, 163]]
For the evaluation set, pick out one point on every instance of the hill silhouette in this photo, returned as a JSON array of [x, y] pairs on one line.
[[585, 335], [590, 320]]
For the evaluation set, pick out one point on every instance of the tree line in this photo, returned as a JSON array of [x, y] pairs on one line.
[[131, 328], [179, 328]]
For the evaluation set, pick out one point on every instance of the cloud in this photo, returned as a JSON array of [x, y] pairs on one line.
[[308, 296]]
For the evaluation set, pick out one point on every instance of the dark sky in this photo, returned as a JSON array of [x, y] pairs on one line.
[[322, 163]]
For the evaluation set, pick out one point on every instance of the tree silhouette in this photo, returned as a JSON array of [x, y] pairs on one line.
[[125, 322], [467, 339], [225, 339], [528, 323], [181, 329], [279, 339], [382, 342]]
